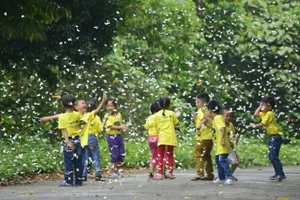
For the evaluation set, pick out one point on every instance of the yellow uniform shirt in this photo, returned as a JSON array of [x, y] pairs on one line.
[[87, 118], [218, 123], [95, 126], [150, 126], [165, 127], [71, 122], [269, 121], [231, 132], [206, 129], [113, 121]]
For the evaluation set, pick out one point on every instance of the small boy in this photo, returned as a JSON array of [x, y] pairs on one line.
[[222, 143], [233, 140], [69, 124], [204, 141], [265, 114]]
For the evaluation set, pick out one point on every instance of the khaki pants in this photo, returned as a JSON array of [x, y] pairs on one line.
[[202, 156]]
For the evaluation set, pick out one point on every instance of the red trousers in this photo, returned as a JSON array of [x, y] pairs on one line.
[[160, 158]]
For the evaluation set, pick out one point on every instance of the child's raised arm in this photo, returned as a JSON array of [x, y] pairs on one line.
[[256, 113], [101, 104], [43, 119]]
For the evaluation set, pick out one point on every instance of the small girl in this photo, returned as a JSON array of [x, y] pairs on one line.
[[222, 143], [153, 137], [165, 121], [233, 139], [113, 123], [92, 150]]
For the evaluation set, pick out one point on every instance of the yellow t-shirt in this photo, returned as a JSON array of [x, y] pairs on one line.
[[71, 122], [95, 126], [231, 132], [269, 121], [165, 127], [218, 123], [206, 129], [113, 121], [87, 118], [150, 126]]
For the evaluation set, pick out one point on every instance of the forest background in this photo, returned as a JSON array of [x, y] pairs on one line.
[[237, 51]]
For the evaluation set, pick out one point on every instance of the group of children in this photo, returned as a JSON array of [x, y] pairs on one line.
[[212, 127], [80, 144]]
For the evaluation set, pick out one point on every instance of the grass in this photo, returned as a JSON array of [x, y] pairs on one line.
[[32, 155]]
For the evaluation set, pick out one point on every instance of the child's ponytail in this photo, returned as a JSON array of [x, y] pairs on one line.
[[164, 103]]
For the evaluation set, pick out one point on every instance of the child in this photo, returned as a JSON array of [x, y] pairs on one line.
[[222, 143], [113, 123], [165, 121], [69, 124], [204, 141], [233, 139], [92, 149], [153, 137], [268, 120]]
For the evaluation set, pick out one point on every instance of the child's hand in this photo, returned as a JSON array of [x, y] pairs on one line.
[[104, 98], [124, 127], [43, 119], [252, 125], [223, 142], [177, 112], [70, 145]]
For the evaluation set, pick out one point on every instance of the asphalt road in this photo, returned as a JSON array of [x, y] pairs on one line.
[[253, 183]]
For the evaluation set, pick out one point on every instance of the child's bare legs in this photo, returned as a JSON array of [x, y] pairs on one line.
[[152, 141], [170, 161], [112, 169], [233, 168]]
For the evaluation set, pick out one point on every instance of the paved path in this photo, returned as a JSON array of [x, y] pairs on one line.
[[253, 183]]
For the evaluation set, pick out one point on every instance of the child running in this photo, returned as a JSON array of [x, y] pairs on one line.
[[204, 141], [222, 143], [153, 137], [113, 123], [92, 151], [165, 121], [265, 114], [233, 139]]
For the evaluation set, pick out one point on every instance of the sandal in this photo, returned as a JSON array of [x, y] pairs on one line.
[[150, 175], [65, 184], [172, 176], [157, 177], [113, 176], [99, 178], [196, 178]]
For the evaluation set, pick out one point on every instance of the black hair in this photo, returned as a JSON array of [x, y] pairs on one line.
[[113, 101], [214, 106], [164, 103], [91, 104], [226, 109], [203, 97], [270, 101], [155, 107], [68, 101]]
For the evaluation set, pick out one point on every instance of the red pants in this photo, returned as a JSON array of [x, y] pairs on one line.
[[160, 158]]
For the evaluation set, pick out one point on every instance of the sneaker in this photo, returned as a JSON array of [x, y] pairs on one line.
[[218, 181], [228, 182], [235, 178], [204, 178], [99, 178], [283, 176], [273, 177], [278, 178], [84, 178]]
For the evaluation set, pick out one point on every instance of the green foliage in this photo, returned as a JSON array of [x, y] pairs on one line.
[[138, 51], [26, 20]]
